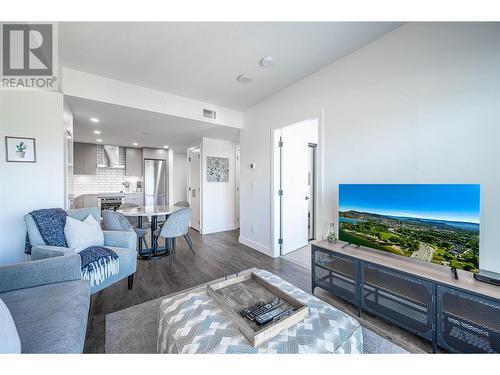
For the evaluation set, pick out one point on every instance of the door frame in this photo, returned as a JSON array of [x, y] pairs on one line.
[[237, 171], [188, 187], [275, 179], [314, 147]]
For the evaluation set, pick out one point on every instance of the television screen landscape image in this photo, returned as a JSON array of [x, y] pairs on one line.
[[437, 223]]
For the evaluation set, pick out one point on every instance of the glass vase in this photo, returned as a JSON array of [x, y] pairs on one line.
[[331, 235]]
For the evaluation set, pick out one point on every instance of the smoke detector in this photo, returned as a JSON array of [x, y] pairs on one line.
[[266, 61], [244, 78]]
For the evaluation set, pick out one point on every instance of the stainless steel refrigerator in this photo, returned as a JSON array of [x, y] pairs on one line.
[[155, 182]]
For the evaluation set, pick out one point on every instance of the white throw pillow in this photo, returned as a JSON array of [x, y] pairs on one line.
[[9, 338], [82, 234]]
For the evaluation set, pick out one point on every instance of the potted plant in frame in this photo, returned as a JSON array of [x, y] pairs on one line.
[[20, 150]]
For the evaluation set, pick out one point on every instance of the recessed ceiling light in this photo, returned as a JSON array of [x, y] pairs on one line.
[[135, 143], [244, 78], [165, 146], [94, 119], [266, 61], [99, 140], [97, 132]]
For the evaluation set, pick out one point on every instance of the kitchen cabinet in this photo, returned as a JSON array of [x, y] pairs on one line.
[[90, 200], [85, 200], [78, 158], [133, 161], [155, 153], [84, 158], [77, 202]]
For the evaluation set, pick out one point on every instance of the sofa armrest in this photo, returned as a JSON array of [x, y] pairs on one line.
[[46, 251], [40, 272], [123, 239]]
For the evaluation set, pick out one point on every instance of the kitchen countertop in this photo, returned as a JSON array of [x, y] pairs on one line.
[[107, 194]]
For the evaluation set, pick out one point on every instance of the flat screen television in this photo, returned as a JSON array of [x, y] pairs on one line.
[[437, 223]]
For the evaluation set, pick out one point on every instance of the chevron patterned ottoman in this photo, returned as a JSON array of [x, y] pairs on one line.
[[192, 322]]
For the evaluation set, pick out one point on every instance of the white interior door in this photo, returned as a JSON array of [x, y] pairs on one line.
[[194, 187], [294, 183]]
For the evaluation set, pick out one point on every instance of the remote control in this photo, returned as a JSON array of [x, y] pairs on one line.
[[260, 308], [248, 312], [273, 315]]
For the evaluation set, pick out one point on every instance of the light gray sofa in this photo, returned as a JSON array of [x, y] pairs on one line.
[[122, 243], [49, 304]]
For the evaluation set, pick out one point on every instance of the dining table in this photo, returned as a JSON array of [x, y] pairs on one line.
[[153, 212]]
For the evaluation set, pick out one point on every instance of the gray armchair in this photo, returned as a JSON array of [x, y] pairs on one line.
[[49, 304], [122, 243]]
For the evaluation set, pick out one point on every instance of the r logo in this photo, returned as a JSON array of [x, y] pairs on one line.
[[27, 50]]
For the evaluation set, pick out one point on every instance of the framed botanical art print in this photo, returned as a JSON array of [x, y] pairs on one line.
[[20, 149], [217, 169]]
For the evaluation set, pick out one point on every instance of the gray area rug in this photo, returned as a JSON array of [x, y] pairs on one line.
[[376, 344], [134, 330]]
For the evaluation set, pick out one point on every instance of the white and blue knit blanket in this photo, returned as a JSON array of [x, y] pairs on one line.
[[98, 263]]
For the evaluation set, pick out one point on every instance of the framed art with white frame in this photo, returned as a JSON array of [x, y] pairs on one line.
[[20, 149]]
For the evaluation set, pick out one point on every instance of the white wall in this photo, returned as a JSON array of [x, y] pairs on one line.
[[218, 198], [28, 186], [420, 105], [180, 177], [94, 87]]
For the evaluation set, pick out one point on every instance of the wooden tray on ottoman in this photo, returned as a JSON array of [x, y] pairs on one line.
[[243, 291]]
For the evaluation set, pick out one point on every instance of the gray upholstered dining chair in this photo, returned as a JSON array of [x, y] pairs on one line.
[[133, 219], [178, 204], [114, 221], [176, 225]]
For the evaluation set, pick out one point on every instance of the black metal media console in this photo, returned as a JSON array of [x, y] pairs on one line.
[[461, 316]]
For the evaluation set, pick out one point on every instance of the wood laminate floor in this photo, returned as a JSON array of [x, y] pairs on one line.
[[217, 255]]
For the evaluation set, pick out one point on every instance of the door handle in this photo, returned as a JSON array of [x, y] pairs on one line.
[[307, 198]]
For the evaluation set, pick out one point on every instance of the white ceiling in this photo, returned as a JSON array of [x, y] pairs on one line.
[[123, 125], [201, 60]]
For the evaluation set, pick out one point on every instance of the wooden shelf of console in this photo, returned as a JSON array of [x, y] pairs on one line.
[[458, 315]]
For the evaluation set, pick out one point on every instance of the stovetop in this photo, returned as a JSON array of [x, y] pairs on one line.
[[111, 195]]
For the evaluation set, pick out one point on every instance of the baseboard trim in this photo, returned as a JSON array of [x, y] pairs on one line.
[[220, 229], [256, 246]]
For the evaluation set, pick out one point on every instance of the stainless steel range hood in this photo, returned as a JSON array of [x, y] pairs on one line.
[[112, 154]]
